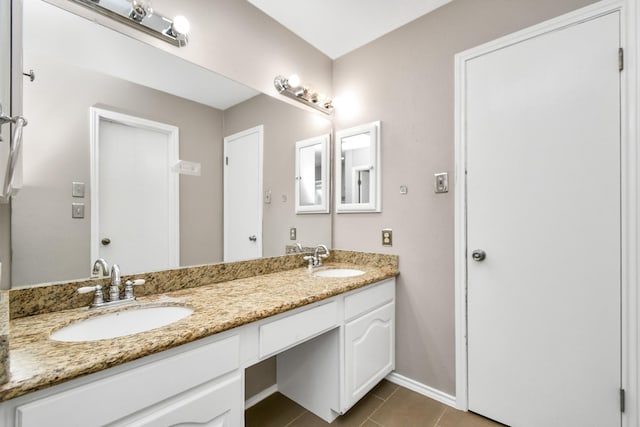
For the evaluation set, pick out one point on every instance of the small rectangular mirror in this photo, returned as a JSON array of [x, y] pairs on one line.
[[312, 183], [358, 169]]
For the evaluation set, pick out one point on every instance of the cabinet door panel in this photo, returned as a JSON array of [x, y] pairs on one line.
[[369, 352]]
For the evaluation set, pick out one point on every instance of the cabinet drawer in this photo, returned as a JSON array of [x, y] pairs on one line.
[[296, 328], [369, 298], [128, 392], [216, 403]]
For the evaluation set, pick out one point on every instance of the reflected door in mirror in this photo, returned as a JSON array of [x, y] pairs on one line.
[[358, 169], [243, 195], [134, 192], [312, 185]]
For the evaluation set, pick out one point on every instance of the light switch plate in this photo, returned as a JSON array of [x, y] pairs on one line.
[[77, 210], [77, 189], [387, 237], [441, 182]]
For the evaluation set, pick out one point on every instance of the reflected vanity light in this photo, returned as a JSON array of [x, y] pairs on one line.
[[291, 88], [139, 14]]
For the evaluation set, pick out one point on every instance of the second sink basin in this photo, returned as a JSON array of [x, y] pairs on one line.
[[121, 323], [339, 272]]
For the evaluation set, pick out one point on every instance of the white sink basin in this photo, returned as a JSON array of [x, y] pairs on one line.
[[121, 323], [339, 272]]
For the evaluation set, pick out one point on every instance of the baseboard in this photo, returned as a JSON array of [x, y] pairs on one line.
[[423, 389], [259, 397]]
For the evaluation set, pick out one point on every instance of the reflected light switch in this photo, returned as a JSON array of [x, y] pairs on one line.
[[77, 189], [77, 210]]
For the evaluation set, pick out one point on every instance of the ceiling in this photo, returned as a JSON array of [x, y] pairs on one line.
[[336, 27]]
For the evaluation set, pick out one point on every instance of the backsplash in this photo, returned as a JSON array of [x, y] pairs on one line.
[[50, 298]]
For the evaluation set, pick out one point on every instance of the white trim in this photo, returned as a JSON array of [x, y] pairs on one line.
[[422, 389], [260, 131], [630, 292], [630, 82], [173, 134], [260, 396]]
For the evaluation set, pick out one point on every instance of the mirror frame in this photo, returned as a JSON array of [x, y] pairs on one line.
[[375, 198], [323, 206]]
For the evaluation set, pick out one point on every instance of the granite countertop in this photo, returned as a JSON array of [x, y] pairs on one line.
[[38, 362]]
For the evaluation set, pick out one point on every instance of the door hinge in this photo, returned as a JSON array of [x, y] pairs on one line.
[[622, 400], [620, 59], [226, 160]]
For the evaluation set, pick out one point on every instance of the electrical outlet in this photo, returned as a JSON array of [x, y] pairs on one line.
[[292, 233], [441, 183], [387, 237]]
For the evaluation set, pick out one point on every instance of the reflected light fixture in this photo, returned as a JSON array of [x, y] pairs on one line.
[[139, 14], [291, 88]]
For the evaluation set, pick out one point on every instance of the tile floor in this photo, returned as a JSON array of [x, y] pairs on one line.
[[387, 405]]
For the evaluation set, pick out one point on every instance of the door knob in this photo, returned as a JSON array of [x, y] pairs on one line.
[[478, 255], [253, 238], [105, 241]]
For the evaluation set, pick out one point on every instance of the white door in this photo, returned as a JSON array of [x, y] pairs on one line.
[[242, 195], [543, 203], [135, 193]]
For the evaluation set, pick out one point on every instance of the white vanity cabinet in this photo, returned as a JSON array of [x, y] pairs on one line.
[[369, 340], [350, 358], [201, 385], [329, 355]]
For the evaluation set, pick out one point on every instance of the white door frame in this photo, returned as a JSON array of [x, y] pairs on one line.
[[173, 133], [630, 83], [260, 131]]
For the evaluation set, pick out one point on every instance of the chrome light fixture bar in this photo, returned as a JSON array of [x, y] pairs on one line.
[[291, 88], [139, 14]]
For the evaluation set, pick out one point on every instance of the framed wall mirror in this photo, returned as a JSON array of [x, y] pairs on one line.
[[312, 177], [357, 168]]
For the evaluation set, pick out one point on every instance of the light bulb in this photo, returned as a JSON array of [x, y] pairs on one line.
[[294, 80], [180, 25]]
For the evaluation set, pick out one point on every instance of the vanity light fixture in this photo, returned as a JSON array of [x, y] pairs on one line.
[[291, 87], [139, 14]]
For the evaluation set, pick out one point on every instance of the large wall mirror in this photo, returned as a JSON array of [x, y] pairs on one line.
[[358, 175], [79, 65]]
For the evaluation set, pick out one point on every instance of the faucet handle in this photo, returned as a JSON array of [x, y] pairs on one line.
[[98, 297], [128, 287]]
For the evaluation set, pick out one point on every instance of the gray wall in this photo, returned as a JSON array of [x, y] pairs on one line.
[[283, 126], [406, 80], [48, 245]]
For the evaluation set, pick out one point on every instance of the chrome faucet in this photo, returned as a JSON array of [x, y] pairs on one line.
[[100, 268], [320, 257], [315, 260], [114, 289]]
